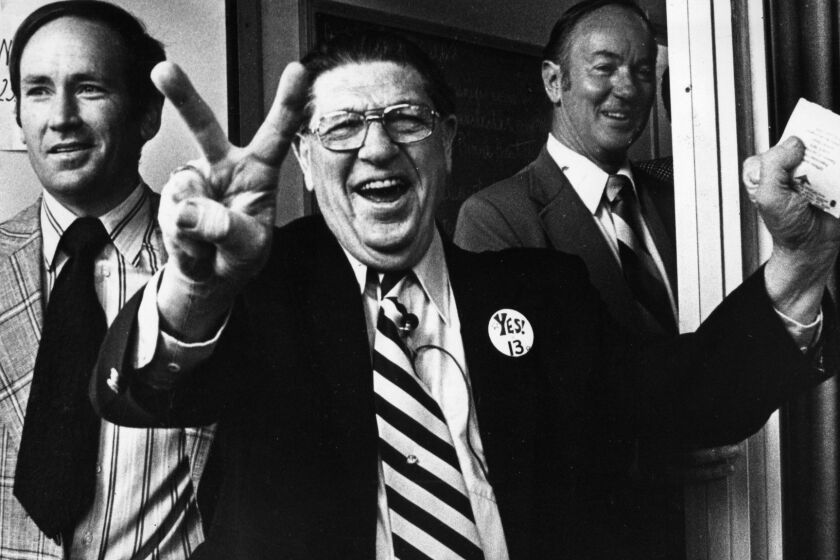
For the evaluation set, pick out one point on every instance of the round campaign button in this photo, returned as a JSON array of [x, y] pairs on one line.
[[510, 332]]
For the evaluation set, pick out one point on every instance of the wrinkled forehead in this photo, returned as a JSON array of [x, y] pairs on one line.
[[361, 86]]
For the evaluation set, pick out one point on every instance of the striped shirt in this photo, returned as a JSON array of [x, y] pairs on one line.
[[145, 503]]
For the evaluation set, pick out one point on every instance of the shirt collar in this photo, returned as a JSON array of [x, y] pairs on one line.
[[126, 224], [431, 272], [587, 179]]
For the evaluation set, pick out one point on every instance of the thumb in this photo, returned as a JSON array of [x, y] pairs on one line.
[[786, 155], [202, 219], [235, 234]]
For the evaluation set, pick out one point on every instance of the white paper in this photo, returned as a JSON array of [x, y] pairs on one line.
[[818, 176]]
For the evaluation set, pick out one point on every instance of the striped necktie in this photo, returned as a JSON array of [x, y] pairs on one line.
[[639, 268], [428, 504]]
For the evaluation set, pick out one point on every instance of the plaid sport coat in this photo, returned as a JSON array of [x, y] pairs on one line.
[[21, 320]]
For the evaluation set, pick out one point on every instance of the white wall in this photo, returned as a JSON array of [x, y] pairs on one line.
[[193, 32]]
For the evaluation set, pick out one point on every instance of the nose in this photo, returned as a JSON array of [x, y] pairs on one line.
[[64, 111], [378, 146], [624, 84]]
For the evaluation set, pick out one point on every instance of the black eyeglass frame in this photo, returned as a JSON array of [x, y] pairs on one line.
[[373, 115]]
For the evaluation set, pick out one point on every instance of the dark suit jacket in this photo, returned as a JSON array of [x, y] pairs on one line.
[[291, 382], [538, 207]]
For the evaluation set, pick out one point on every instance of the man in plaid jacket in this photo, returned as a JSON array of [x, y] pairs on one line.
[[86, 106]]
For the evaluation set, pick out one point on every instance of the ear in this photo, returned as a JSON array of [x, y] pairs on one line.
[[150, 121], [15, 108], [16, 111], [448, 129], [302, 150], [552, 76]]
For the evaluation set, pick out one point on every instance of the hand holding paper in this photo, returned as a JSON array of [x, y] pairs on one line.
[[805, 239], [817, 178]]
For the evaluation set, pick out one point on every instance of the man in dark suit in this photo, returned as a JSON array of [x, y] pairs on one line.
[[381, 392], [599, 73]]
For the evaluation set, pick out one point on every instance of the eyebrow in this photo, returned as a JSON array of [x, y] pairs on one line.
[[606, 54], [401, 101], [34, 80], [615, 56], [81, 77]]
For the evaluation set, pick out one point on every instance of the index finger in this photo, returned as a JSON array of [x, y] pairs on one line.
[[176, 86]]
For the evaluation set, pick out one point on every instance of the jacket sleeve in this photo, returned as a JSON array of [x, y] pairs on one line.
[[122, 394], [721, 383], [483, 226]]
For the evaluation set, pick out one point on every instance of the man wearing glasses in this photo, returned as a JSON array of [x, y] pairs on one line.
[[380, 392]]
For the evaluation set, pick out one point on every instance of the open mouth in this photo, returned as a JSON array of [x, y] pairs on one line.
[[69, 147], [622, 116], [383, 190]]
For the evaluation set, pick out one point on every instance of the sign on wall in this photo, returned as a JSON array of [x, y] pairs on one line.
[[11, 14]]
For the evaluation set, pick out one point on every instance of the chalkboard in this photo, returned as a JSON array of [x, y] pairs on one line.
[[502, 110]]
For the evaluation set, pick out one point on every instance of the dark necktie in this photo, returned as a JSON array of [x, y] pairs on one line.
[[55, 475], [428, 503], [639, 268]]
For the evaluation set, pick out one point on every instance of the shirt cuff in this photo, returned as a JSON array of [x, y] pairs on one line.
[[805, 336], [162, 355]]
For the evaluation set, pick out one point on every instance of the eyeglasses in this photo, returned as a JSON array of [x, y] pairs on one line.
[[342, 131]]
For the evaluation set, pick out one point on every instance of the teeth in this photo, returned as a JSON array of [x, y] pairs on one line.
[[384, 184], [68, 148], [615, 115]]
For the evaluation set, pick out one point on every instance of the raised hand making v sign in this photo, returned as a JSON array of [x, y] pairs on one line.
[[217, 212]]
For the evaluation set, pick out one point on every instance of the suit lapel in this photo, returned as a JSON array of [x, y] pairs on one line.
[[333, 318], [21, 313], [570, 228], [476, 300], [504, 388]]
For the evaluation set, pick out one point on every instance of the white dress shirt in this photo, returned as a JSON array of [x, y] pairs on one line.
[[145, 478]]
